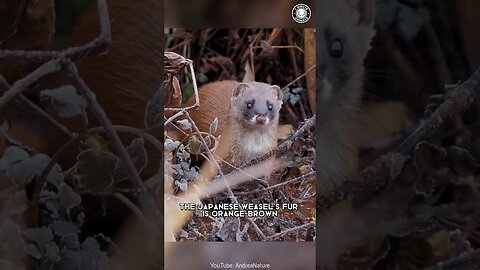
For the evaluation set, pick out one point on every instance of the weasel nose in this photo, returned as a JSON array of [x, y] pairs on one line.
[[261, 119]]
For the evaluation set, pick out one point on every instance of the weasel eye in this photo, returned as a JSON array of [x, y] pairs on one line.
[[270, 107], [336, 48], [249, 105]]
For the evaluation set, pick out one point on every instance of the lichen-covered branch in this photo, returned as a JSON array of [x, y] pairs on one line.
[[95, 47], [463, 261], [144, 197], [386, 168]]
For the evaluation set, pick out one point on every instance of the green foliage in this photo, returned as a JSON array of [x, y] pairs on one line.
[[291, 95], [201, 77], [167, 40]]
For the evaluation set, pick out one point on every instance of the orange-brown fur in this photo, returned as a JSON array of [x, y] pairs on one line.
[[127, 76], [339, 92], [213, 100], [340, 87], [123, 79]]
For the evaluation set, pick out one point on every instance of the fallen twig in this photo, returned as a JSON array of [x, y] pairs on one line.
[[286, 145], [272, 237], [291, 181]]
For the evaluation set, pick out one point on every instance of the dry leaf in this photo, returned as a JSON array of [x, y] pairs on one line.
[[248, 73], [174, 62]]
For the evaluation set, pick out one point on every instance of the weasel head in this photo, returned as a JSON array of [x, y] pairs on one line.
[[256, 106], [346, 29]]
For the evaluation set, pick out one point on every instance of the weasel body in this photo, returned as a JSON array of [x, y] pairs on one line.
[[346, 29], [343, 38]]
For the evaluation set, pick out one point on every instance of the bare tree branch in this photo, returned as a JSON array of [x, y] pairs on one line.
[[144, 197], [95, 47], [294, 229], [4, 85], [386, 168], [22, 84], [463, 260], [286, 145]]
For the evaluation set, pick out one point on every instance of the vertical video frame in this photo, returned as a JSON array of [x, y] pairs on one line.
[[239, 143]]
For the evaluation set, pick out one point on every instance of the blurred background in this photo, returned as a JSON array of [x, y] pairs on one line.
[[421, 50], [421, 47]]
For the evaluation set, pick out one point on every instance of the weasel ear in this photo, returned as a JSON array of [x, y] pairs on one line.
[[240, 89], [366, 12], [278, 92]]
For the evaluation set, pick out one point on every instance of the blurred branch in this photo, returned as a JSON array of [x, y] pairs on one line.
[[465, 259], [292, 53], [42, 178], [95, 47], [458, 238], [33, 207], [274, 35], [386, 168], [4, 85], [22, 84], [138, 213], [134, 131], [148, 203], [401, 60], [252, 61]]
